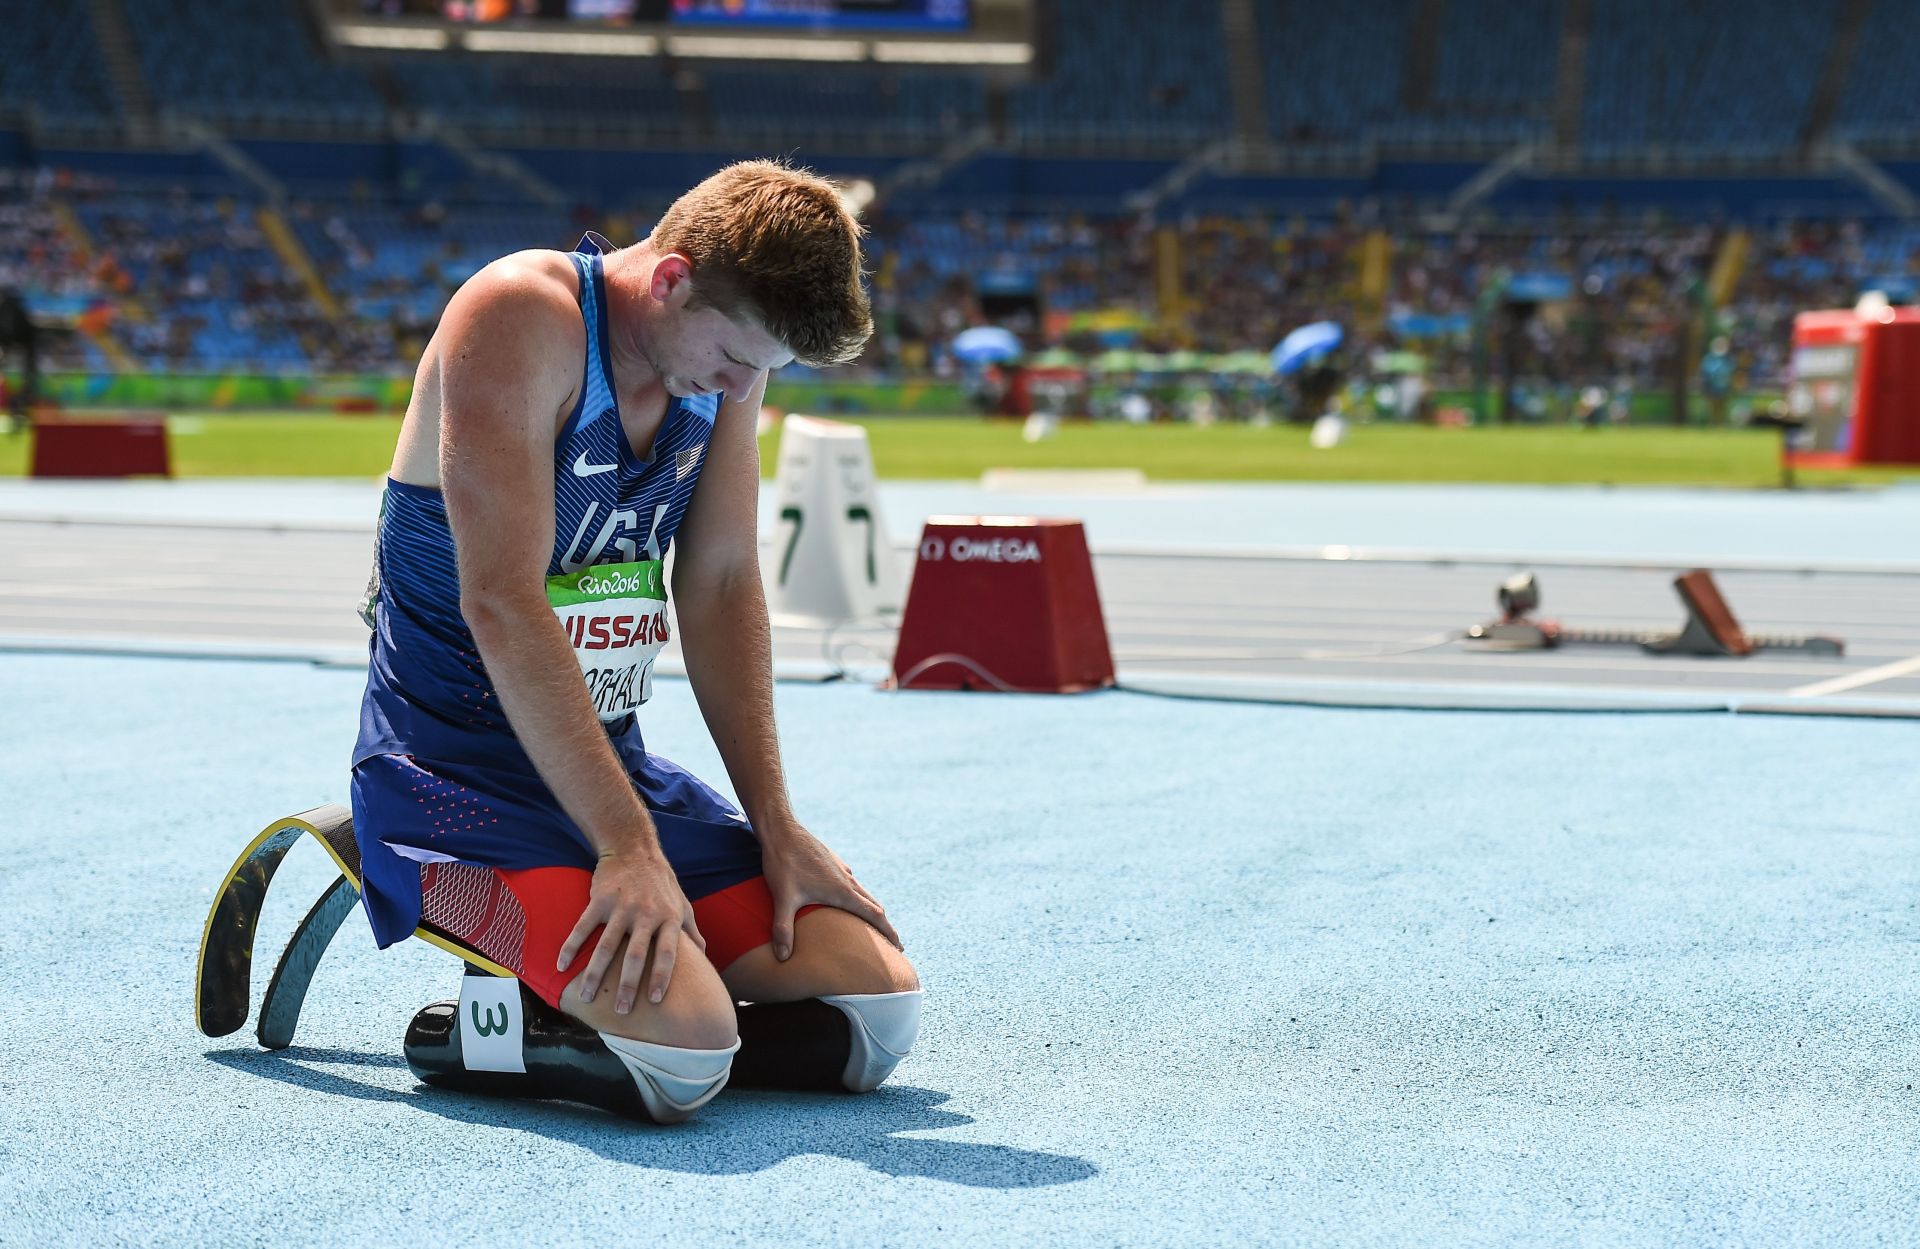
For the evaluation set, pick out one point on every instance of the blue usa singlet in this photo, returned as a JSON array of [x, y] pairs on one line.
[[438, 772]]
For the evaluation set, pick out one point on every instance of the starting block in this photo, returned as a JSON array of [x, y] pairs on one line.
[[1710, 628], [830, 562], [129, 446], [1004, 603]]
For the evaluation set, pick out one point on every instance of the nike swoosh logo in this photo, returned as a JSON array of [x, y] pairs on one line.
[[583, 469]]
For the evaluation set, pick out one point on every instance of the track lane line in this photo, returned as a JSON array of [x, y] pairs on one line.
[[1853, 681]]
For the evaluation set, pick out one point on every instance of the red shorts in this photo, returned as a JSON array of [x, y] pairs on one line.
[[520, 919]]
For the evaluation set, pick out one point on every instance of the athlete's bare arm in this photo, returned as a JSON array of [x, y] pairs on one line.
[[726, 641], [723, 612], [416, 455], [506, 361]]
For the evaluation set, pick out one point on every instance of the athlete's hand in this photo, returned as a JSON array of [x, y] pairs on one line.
[[638, 900], [800, 870]]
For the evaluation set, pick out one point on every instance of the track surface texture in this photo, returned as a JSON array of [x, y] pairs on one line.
[[1198, 973]]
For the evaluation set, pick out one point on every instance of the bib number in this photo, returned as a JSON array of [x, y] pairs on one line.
[[490, 1024], [615, 616]]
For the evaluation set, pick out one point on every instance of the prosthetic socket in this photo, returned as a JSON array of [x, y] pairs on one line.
[[501, 1039]]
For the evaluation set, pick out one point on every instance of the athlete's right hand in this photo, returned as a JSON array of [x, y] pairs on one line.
[[635, 898]]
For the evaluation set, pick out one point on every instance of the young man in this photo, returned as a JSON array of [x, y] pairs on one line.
[[573, 414]]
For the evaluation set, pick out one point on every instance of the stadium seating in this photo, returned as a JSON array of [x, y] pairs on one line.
[[248, 64], [1494, 72], [1735, 77], [389, 264], [1335, 79], [1382, 113], [1877, 106], [492, 95], [221, 299], [850, 106], [50, 65], [1157, 79], [926, 253], [218, 292]]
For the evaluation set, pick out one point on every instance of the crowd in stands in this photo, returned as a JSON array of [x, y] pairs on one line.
[[205, 279], [176, 280], [1614, 304], [394, 269], [1611, 302], [190, 283], [60, 282]]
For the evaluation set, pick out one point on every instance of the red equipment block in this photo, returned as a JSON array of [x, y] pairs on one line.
[[1856, 387], [128, 446], [1003, 603]]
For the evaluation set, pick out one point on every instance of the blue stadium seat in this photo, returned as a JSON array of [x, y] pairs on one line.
[[1734, 77], [1332, 76], [50, 63], [387, 264], [496, 94], [1494, 70], [845, 105], [1878, 105], [245, 64], [1153, 79]]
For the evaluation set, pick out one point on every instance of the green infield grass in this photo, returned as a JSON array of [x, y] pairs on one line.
[[280, 445]]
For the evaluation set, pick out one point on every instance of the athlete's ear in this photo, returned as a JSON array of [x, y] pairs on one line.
[[672, 274]]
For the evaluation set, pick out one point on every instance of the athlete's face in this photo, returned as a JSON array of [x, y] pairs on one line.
[[705, 351], [699, 350]]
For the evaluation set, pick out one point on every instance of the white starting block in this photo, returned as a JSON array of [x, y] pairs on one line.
[[828, 560]]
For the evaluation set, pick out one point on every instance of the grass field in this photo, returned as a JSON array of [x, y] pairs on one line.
[[280, 445]]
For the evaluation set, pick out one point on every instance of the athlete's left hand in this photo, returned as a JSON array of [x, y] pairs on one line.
[[801, 870]]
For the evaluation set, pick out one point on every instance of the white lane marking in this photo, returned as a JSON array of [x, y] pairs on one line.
[[1853, 681]]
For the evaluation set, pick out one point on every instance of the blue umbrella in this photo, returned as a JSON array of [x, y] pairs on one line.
[[985, 344], [1305, 345]]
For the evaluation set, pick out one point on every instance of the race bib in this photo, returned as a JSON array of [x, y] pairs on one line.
[[490, 1024], [616, 617]]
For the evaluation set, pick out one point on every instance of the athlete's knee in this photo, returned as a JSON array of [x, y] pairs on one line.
[[876, 988], [896, 973], [695, 1013], [679, 1051], [856, 1016], [857, 956], [501, 1039], [833, 952]]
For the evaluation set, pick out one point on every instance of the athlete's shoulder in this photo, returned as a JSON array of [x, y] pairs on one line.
[[536, 291], [512, 330]]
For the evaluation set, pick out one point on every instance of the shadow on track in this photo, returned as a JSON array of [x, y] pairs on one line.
[[742, 1132]]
